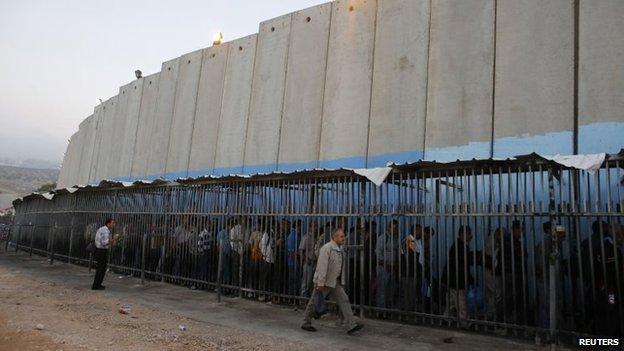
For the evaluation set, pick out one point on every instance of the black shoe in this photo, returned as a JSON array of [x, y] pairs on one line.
[[355, 328], [308, 327], [101, 287]]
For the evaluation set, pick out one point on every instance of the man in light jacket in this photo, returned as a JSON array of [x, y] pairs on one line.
[[329, 278]]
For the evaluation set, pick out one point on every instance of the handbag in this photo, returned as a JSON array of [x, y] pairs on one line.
[[91, 247], [320, 306]]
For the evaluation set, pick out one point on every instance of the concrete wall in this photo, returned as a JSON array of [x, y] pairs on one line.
[[208, 110], [267, 96], [119, 132], [159, 140], [346, 107], [147, 115], [232, 126], [460, 89], [534, 102], [182, 124], [106, 140], [87, 154], [601, 76], [86, 131], [95, 153], [130, 126], [359, 83], [305, 86], [399, 97]]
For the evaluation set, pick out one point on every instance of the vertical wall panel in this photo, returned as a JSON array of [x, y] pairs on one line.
[[534, 102], [183, 115], [147, 115], [107, 139], [601, 76], [161, 128], [119, 132], [77, 152], [459, 88], [131, 123], [84, 163], [305, 83], [235, 106], [348, 85], [65, 166], [267, 96], [97, 138], [208, 110], [87, 156], [397, 122]]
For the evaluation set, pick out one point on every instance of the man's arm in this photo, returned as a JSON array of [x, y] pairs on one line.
[[321, 267]]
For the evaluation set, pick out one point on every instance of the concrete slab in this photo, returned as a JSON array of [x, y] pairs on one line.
[[346, 108], [235, 106], [71, 158], [399, 99], [65, 166], [87, 156], [119, 132], [601, 76], [165, 104], [85, 129], [459, 93], [305, 83], [267, 96], [183, 115], [208, 110], [131, 122], [147, 115], [534, 77], [97, 138], [107, 139]]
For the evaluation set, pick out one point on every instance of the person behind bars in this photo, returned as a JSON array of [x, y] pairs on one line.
[[329, 278]]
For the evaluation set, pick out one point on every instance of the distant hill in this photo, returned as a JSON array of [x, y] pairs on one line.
[[20, 180], [29, 163]]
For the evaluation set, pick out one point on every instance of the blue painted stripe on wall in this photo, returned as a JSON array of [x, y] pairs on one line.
[[593, 138], [454, 153], [548, 144], [601, 137]]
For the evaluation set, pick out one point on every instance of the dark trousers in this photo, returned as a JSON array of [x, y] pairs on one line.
[[101, 256]]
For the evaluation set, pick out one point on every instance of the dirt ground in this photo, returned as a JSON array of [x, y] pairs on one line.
[[50, 307], [74, 319]]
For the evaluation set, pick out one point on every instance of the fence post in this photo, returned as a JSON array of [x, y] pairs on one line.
[[143, 241], [163, 254], [220, 271], [32, 238], [554, 256], [53, 235], [16, 239], [361, 205], [71, 231], [108, 259]]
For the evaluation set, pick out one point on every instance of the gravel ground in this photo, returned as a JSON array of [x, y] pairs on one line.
[[50, 307]]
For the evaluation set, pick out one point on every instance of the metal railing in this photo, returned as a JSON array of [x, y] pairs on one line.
[[525, 247]]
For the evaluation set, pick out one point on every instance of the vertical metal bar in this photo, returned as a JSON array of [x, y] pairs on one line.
[[554, 255]]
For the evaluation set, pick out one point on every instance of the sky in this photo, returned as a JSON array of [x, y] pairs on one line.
[[58, 57]]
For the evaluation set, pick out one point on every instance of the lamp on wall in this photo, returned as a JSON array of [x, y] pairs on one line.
[[216, 39]]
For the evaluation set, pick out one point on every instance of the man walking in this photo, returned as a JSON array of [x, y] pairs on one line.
[[329, 278], [102, 243]]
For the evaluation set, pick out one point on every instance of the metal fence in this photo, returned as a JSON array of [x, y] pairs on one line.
[[525, 247]]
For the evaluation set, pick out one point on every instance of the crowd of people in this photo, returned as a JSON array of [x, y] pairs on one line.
[[503, 276]]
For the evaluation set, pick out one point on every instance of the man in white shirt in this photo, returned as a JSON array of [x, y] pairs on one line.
[[102, 244]]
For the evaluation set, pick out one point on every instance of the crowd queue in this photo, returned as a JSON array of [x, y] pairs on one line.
[[503, 276]]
